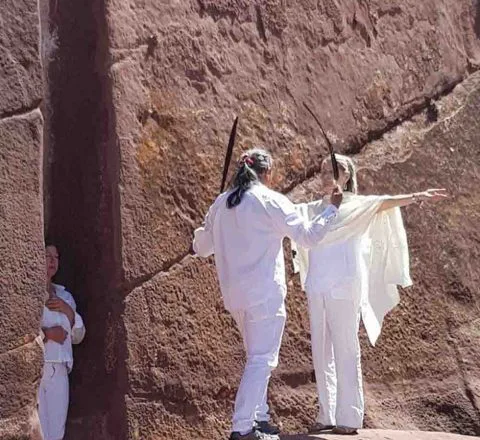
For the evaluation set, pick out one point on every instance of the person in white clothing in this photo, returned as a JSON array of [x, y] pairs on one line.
[[353, 272], [244, 229], [62, 326]]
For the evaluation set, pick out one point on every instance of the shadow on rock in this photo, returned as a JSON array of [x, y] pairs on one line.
[[477, 20], [301, 437]]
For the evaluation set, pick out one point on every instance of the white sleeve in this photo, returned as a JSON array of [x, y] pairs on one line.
[[203, 236], [289, 222], [78, 329]]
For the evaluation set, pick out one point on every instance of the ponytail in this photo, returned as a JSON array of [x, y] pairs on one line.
[[253, 164]]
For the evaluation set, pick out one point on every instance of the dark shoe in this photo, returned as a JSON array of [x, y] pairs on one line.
[[318, 427], [266, 428], [345, 430], [253, 435]]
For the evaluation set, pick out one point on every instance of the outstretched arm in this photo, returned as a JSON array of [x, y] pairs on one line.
[[430, 195], [289, 222]]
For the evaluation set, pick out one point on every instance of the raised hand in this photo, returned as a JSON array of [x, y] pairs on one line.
[[337, 196]]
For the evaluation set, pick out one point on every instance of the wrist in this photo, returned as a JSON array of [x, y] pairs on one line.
[[417, 197]]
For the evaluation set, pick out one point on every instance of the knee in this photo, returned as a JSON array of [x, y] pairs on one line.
[[267, 362]]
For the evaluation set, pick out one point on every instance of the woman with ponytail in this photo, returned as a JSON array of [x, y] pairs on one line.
[[244, 229], [352, 273]]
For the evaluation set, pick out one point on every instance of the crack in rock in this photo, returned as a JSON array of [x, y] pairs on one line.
[[23, 111]]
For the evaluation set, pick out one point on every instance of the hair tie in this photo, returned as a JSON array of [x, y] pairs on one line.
[[246, 160]]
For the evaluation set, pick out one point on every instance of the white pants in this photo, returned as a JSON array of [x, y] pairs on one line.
[[334, 327], [261, 328], [53, 400]]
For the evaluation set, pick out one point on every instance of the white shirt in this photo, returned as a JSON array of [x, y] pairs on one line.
[[62, 353], [374, 240], [247, 241], [338, 270]]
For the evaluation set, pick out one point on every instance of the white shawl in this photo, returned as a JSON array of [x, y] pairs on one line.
[[387, 261]]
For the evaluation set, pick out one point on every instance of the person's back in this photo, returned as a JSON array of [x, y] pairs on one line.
[[244, 229], [248, 249]]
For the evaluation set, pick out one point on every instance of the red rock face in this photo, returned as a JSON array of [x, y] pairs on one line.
[[141, 98], [180, 74], [21, 217]]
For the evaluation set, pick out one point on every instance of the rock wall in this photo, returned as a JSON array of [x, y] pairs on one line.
[[140, 100], [21, 216], [180, 73]]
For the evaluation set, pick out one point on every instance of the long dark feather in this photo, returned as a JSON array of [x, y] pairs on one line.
[[329, 144], [228, 155]]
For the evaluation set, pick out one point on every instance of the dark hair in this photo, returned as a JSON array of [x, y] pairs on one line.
[[253, 164], [49, 241]]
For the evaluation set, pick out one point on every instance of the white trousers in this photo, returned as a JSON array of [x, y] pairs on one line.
[[334, 327], [53, 400], [261, 328]]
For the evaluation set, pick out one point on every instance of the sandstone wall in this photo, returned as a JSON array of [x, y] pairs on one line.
[[180, 73], [141, 97], [21, 216]]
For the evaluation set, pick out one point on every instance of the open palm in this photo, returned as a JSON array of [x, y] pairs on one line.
[[433, 195]]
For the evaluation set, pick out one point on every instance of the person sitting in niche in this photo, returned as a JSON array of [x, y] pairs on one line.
[[62, 326]]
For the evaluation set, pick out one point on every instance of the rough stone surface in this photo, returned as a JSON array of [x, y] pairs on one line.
[[21, 218], [142, 97], [180, 73], [21, 86], [21, 270]]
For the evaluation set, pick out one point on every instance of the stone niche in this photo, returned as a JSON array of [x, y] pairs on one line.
[[137, 103]]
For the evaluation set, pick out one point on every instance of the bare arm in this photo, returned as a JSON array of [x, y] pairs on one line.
[[430, 195]]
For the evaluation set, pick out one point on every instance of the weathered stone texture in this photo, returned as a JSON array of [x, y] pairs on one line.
[[20, 70], [180, 73], [22, 268], [21, 217], [142, 97]]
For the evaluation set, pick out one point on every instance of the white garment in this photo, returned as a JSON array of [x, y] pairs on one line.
[[355, 270], [53, 400], [247, 243], [261, 327], [62, 353], [248, 248], [368, 237], [53, 391], [336, 358]]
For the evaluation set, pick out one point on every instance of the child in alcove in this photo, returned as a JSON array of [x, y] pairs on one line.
[[62, 326]]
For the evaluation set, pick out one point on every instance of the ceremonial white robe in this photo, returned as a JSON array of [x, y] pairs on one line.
[[353, 272], [247, 243], [385, 253]]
